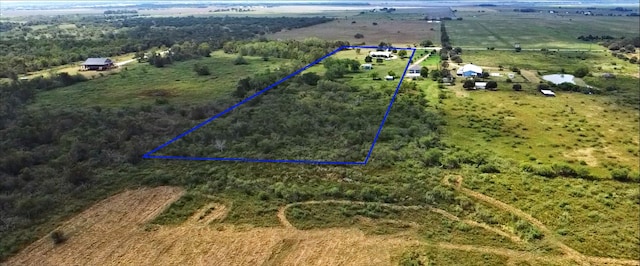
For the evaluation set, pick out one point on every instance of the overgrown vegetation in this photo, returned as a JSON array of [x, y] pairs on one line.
[[41, 44]]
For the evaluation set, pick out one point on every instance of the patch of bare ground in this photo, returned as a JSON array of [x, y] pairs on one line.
[[115, 232], [585, 155], [530, 76]]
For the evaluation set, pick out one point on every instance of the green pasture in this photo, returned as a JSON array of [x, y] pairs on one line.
[[144, 84], [578, 129]]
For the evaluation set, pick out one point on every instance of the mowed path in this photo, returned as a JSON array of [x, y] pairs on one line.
[[569, 252]]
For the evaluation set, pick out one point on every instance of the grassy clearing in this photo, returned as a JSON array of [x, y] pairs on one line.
[[581, 130], [376, 219], [437, 256], [145, 84], [74, 68], [534, 30], [596, 218], [552, 62]]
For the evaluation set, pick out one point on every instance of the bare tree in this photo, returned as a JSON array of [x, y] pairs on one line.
[[220, 144]]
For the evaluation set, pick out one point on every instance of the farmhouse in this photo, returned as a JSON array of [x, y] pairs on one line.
[[470, 70], [97, 64], [380, 54], [413, 71]]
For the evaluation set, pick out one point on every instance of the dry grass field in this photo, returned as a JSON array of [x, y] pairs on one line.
[[398, 31]]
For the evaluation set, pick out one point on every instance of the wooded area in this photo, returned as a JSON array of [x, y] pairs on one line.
[[38, 45]]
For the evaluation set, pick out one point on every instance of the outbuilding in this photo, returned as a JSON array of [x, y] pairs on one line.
[[548, 93], [470, 70]]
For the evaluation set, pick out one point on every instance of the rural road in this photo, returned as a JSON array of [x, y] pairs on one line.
[[125, 62]]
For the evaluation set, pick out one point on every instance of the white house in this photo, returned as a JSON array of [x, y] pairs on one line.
[[413, 71], [381, 54]]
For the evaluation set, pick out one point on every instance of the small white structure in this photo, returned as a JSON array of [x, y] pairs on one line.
[[413, 71], [511, 75], [480, 85], [380, 54], [388, 77], [548, 93], [366, 66]]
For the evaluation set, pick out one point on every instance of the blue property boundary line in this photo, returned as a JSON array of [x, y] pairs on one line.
[[149, 155], [393, 99]]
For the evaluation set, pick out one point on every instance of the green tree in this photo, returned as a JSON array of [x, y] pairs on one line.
[[402, 53], [492, 85], [240, 61], [310, 78], [517, 87], [426, 43], [581, 72], [204, 49], [368, 59], [468, 84], [201, 70], [424, 72]]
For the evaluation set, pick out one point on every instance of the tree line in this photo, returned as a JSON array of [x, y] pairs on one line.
[[23, 51]]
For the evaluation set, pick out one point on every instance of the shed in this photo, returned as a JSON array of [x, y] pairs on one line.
[[388, 77], [480, 85], [548, 93], [366, 66], [97, 64]]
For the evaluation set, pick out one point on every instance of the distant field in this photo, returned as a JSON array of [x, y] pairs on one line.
[[392, 29], [552, 62], [504, 28]]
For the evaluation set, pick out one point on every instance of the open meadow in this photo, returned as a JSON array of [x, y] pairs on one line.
[[503, 28], [458, 176]]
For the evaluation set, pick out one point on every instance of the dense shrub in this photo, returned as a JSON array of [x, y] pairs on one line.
[[57, 237], [564, 170], [544, 170], [620, 174]]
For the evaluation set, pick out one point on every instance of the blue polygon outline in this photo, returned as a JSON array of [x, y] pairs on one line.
[[375, 139]]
